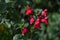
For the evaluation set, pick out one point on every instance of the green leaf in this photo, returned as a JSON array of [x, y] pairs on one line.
[[8, 24], [26, 24], [38, 1], [7, 1], [17, 37], [20, 25]]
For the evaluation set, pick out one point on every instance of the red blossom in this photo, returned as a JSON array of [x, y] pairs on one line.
[[44, 12], [31, 19], [25, 30], [44, 16], [41, 17], [37, 23], [29, 10], [44, 21]]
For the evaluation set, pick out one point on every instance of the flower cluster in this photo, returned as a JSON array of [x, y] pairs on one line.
[[42, 18]]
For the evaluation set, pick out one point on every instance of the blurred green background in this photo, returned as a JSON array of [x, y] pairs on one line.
[[11, 20]]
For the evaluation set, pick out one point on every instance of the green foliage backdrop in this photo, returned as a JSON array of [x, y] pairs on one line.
[[11, 19]]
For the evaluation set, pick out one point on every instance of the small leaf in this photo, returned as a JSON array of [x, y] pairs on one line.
[[38, 1], [7, 1], [20, 25], [26, 24], [8, 24], [17, 37]]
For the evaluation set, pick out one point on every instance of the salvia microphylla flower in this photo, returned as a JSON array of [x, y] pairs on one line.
[[44, 21], [24, 31], [44, 12], [31, 19], [29, 10], [37, 23]]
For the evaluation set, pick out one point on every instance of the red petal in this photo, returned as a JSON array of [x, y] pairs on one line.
[[44, 12], [31, 20], [29, 11], [37, 24], [25, 30], [43, 20], [46, 21]]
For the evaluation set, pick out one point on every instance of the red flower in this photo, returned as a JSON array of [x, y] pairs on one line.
[[41, 17], [44, 12], [29, 11], [45, 16], [37, 23], [44, 21], [25, 30], [31, 19]]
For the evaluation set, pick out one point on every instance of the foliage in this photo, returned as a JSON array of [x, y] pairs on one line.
[[13, 20]]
